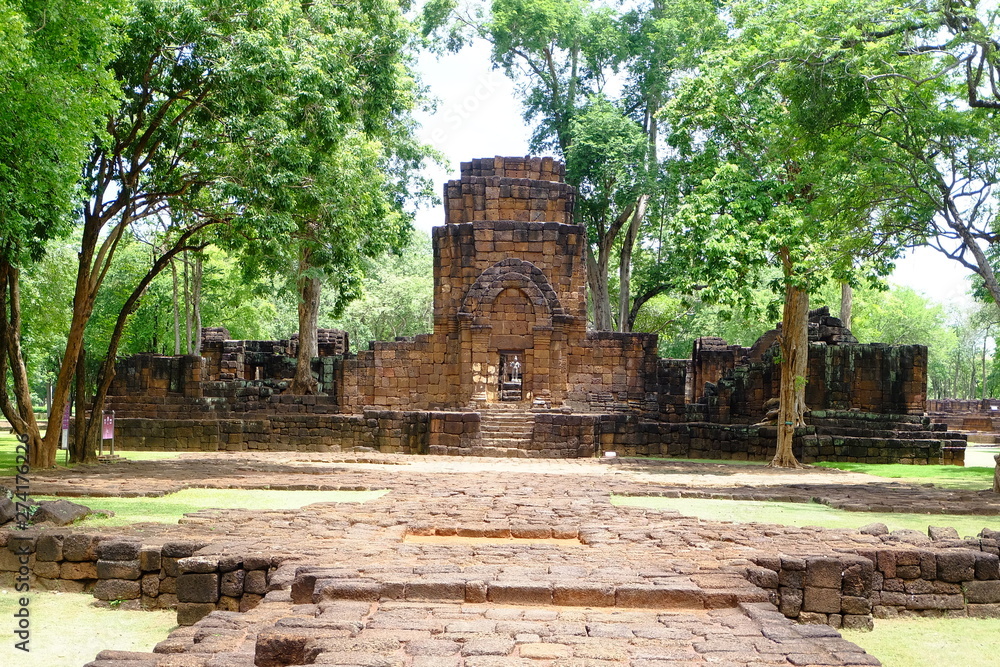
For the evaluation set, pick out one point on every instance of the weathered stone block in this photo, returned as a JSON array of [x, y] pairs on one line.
[[583, 594], [982, 592], [117, 589], [823, 600], [475, 591], [249, 601], [277, 647], [118, 569], [197, 565], [118, 550], [71, 570], [987, 566], [47, 569], [48, 548], [823, 573], [150, 585], [181, 549], [169, 566], [436, 590], [255, 582], [198, 588], [231, 583], [503, 592], [659, 597], [858, 622], [984, 610], [855, 605], [79, 548], [790, 601], [956, 565], [189, 613], [59, 512], [149, 559]]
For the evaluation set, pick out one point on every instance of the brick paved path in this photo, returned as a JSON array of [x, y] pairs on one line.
[[642, 587]]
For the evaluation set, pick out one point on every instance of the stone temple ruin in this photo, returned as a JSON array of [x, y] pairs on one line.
[[511, 369]]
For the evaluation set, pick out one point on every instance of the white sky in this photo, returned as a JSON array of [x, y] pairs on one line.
[[478, 115]]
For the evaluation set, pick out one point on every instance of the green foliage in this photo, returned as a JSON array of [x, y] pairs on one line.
[[54, 91], [397, 298], [678, 323]]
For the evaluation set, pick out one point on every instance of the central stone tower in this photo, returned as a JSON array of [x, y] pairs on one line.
[[509, 280]]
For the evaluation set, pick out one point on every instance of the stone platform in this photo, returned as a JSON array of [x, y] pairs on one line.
[[338, 583]]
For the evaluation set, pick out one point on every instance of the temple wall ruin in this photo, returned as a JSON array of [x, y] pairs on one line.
[[510, 337]]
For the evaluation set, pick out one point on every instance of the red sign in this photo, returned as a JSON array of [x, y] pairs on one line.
[[108, 430], [65, 424]]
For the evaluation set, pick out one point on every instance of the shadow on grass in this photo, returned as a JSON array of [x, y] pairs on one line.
[[946, 477], [8, 456]]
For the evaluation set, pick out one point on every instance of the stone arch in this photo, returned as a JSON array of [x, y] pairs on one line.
[[517, 274]]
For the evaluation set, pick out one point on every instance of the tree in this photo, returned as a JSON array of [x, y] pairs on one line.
[[54, 91], [925, 78], [568, 54], [219, 121], [777, 146], [398, 296]]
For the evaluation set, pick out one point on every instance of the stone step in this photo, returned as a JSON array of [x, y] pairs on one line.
[[316, 588]]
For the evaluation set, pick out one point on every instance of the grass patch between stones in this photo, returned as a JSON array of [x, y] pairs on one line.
[[931, 642], [67, 632], [803, 514], [948, 477], [172, 507]]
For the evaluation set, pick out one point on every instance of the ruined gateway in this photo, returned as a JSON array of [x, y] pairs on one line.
[[511, 369]]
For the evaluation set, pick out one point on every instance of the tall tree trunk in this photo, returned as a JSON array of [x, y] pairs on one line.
[[80, 452], [309, 293], [625, 266], [187, 306], [199, 265], [986, 339], [846, 303], [794, 369], [600, 298], [21, 415], [177, 311]]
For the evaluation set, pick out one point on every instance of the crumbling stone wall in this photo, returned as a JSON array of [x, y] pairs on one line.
[[966, 415], [167, 576], [510, 282], [848, 590]]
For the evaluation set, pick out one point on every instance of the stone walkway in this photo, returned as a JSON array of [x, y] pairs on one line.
[[638, 587]]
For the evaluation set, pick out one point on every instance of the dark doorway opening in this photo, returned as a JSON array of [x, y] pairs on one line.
[[511, 376]]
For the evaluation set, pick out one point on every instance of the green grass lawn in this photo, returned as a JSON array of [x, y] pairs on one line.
[[804, 514], [949, 477], [67, 632], [8, 455], [171, 507], [931, 642]]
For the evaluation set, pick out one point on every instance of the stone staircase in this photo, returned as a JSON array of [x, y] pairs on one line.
[[505, 431]]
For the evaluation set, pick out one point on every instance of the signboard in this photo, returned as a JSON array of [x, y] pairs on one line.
[[108, 427], [64, 441]]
